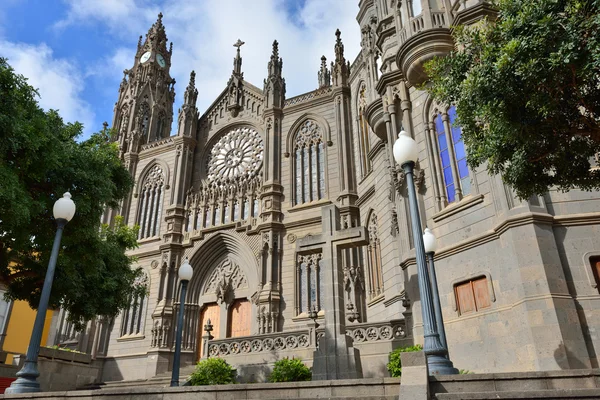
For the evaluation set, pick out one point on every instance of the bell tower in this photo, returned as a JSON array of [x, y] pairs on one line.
[[144, 110]]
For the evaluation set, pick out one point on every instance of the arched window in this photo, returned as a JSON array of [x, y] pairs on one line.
[[374, 259], [453, 157], [309, 170], [309, 283], [151, 199], [144, 120], [255, 209], [363, 128], [133, 317], [236, 210], [246, 210]]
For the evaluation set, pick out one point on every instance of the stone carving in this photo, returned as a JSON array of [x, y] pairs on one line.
[[225, 279], [262, 344], [376, 332], [309, 134], [308, 96], [324, 74], [238, 155], [291, 238], [394, 229]]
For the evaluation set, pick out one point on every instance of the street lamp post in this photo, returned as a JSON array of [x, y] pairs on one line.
[[185, 274], [64, 209], [406, 154], [430, 244]]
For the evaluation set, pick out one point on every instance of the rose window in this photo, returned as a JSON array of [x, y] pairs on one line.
[[238, 155]]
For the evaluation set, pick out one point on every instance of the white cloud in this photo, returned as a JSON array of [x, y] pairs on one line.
[[203, 33], [59, 82]]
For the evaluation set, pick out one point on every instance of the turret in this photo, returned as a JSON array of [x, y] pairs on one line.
[[274, 88], [340, 68], [188, 113]]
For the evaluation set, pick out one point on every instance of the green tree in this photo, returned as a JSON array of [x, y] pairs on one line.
[[40, 159], [527, 93]]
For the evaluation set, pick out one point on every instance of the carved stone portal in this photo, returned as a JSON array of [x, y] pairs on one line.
[[225, 279]]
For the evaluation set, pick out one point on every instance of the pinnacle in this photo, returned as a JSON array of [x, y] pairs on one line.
[[275, 48]]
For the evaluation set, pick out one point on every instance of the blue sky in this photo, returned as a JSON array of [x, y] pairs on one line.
[[74, 51]]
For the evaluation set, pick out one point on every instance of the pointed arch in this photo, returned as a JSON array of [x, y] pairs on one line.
[[307, 145], [151, 193], [133, 318], [221, 248], [322, 122]]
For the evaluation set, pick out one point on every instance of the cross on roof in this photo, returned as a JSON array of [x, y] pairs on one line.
[[238, 44]]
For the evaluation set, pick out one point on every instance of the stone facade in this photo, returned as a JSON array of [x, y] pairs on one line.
[[242, 184]]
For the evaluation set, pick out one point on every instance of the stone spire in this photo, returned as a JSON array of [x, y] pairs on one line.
[[274, 88], [340, 69], [156, 39], [237, 61], [191, 93], [324, 74]]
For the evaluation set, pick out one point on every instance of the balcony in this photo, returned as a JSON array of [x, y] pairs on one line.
[[426, 36]]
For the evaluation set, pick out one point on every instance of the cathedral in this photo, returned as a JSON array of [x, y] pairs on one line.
[[292, 212]]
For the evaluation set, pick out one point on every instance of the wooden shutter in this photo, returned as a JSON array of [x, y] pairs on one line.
[[481, 293], [464, 298]]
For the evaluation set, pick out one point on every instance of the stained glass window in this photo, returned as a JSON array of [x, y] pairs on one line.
[[217, 216], [226, 216], [452, 158], [255, 209], [206, 218], [309, 177], [150, 208], [236, 210], [246, 208], [302, 287]]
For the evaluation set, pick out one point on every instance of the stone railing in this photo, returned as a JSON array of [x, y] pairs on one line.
[[438, 19], [418, 23], [377, 331], [308, 96], [259, 344]]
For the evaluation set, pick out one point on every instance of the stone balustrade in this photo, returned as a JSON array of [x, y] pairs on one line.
[[259, 344]]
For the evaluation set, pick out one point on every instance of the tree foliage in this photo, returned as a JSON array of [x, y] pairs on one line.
[[40, 159], [394, 366], [527, 93]]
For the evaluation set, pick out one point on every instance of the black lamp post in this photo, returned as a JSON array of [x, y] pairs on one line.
[[185, 274], [406, 154], [26, 382], [430, 243]]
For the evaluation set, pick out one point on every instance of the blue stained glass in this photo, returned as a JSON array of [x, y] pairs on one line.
[[439, 125], [463, 171], [442, 141], [450, 193], [445, 158], [452, 114], [459, 150], [456, 134], [448, 176]]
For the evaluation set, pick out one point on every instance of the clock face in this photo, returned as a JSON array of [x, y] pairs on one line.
[[161, 60], [145, 57]]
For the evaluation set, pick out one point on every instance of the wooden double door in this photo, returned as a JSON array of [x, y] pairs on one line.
[[239, 320]]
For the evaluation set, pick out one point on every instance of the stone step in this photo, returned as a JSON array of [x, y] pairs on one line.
[[550, 394]]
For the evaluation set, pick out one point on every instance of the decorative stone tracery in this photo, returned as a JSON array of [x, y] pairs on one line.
[[310, 163], [225, 279], [237, 156]]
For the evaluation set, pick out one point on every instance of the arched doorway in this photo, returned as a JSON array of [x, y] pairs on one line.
[[239, 318]]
